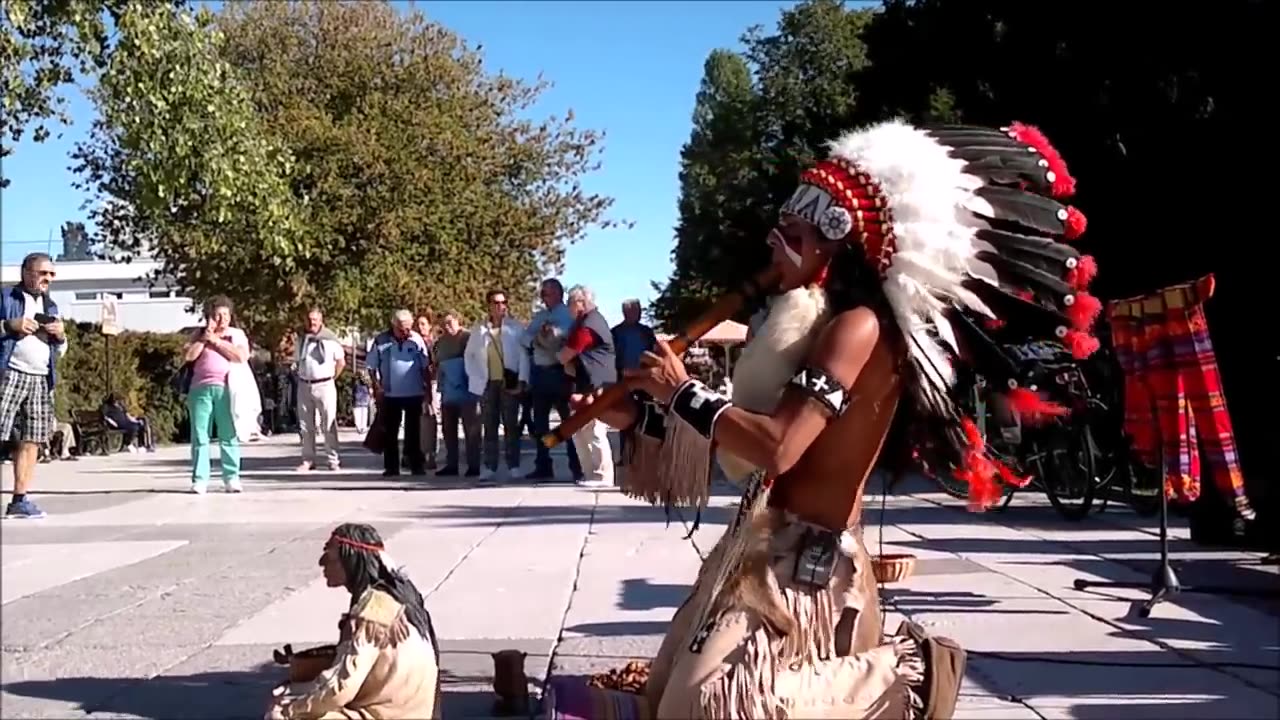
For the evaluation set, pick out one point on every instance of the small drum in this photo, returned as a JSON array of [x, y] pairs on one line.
[[306, 665]]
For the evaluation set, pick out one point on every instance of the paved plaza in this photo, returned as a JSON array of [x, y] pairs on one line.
[[136, 599]]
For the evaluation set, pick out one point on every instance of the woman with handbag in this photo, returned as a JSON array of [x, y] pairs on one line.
[[497, 369], [212, 353]]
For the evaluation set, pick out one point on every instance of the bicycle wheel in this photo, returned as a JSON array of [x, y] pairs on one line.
[[1070, 476]]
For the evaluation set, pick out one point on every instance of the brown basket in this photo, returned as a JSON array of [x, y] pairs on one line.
[[893, 568]]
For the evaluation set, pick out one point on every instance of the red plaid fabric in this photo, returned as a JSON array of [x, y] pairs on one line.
[[1174, 404]]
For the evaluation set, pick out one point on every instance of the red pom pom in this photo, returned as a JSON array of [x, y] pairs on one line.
[[1032, 408], [1083, 273], [993, 323], [1081, 345], [1076, 223], [1064, 186], [1084, 311]]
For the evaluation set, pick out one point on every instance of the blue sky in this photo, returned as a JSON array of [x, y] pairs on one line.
[[628, 68]]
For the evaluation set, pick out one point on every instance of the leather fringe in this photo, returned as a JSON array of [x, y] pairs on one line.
[[675, 471]]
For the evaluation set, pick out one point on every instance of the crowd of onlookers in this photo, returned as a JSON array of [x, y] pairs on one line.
[[479, 389]]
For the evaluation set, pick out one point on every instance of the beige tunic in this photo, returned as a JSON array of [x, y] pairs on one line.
[[384, 669]]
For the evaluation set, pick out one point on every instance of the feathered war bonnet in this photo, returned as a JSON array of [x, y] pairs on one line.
[[965, 227]]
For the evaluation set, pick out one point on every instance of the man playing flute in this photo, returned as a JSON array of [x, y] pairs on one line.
[[896, 254]]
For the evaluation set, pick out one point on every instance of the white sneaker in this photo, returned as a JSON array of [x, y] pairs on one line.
[[233, 485], [486, 475], [199, 489], [596, 484]]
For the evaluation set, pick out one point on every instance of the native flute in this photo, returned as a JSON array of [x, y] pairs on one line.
[[724, 308]]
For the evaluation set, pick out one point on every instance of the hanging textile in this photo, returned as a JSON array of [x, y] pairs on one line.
[[1174, 404]]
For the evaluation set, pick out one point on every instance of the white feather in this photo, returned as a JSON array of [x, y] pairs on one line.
[[932, 200]]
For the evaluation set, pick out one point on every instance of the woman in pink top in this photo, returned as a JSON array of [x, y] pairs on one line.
[[214, 349]]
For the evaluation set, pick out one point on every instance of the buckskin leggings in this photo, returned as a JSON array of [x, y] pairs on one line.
[[1173, 390]]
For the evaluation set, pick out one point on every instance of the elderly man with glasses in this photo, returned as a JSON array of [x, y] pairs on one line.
[[32, 342]]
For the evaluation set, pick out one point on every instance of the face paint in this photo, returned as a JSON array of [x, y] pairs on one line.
[[777, 239]]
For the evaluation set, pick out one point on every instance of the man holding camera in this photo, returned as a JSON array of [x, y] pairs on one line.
[[32, 342], [498, 372]]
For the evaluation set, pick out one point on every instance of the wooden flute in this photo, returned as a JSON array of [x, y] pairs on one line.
[[724, 308]]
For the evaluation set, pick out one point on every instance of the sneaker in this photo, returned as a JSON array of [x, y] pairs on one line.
[[540, 475], [304, 467], [486, 475], [447, 471], [473, 472], [233, 485], [23, 510], [594, 484], [333, 467], [390, 473], [198, 489], [431, 463]]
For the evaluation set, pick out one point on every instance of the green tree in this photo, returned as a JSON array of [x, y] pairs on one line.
[[425, 184], [44, 45], [183, 170], [717, 168], [760, 118]]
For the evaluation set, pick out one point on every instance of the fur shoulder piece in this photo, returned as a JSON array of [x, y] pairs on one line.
[[379, 618]]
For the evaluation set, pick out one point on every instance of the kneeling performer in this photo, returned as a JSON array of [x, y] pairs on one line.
[[387, 662], [892, 253]]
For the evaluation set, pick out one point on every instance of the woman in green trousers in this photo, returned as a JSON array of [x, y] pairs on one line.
[[213, 351]]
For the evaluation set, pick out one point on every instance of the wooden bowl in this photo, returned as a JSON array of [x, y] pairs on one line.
[[893, 568]]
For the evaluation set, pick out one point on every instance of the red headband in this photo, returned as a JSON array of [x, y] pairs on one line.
[[357, 544]]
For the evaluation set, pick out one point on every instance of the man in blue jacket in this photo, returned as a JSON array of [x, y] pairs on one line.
[[32, 342]]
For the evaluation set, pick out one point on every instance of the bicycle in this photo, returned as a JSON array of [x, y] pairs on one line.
[[1059, 455]]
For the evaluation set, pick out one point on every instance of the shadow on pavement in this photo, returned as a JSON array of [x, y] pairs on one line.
[[1118, 682], [641, 594], [621, 628], [910, 601], [204, 695]]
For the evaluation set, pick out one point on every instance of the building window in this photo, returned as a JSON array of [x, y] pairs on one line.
[[158, 294], [86, 296]]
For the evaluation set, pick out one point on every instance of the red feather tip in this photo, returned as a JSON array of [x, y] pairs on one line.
[[1076, 224], [1084, 311], [1083, 273], [1064, 186], [1032, 408], [1081, 344]]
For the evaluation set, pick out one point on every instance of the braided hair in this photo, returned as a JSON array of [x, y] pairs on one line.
[[365, 569]]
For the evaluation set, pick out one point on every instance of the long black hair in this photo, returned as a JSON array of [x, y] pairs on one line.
[[365, 569], [916, 439]]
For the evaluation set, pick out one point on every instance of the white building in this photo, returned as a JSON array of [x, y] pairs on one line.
[[81, 286]]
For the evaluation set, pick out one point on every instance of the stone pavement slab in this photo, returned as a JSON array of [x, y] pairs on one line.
[[136, 600]]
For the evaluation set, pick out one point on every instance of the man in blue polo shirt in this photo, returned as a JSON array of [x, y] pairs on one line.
[[548, 384], [399, 367]]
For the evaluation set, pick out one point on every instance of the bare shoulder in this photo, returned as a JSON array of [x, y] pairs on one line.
[[846, 343]]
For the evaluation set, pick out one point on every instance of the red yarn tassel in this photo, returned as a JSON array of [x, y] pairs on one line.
[[980, 472], [1083, 273], [1032, 408], [1081, 344], [1064, 186], [1076, 224], [1084, 311]]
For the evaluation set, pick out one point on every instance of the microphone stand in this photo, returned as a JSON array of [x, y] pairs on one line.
[[1164, 584]]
